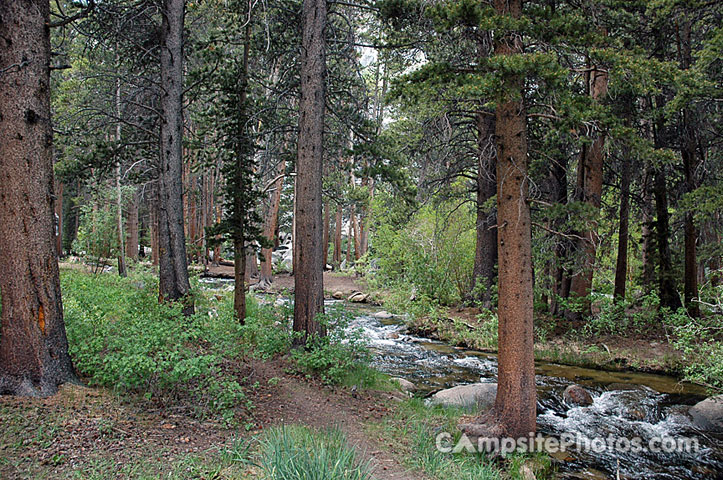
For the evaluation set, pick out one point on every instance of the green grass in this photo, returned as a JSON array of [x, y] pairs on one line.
[[299, 453], [413, 430]]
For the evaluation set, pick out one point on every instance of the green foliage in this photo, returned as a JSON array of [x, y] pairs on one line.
[[120, 337], [335, 355], [299, 453], [433, 253]]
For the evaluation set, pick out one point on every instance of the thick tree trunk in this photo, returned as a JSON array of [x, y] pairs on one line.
[[308, 254], [34, 357], [589, 190], [515, 406], [173, 271], [132, 228], [621, 265], [485, 259]]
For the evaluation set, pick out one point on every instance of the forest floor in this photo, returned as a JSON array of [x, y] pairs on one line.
[[92, 433]]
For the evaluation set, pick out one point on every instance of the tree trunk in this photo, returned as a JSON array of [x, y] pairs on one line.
[[308, 254], [59, 219], [515, 406], [272, 221], [338, 218], [173, 271], [238, 186], [561, 282], [485, 258], [349, 236], [589, 190], [239, 276], [689, 153], [647, 232], [34, 357], [666, 281], [132, 228], [327, 219], [118, 176], [621, 265]]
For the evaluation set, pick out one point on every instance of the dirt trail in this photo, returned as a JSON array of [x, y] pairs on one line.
[[295, 400]]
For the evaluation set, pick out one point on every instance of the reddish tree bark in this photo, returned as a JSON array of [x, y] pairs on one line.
[[514, 412], [34, 357], [308, 232]]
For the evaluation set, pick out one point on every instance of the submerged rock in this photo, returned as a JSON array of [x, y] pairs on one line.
[[576, 395], [479, 395], [383, 315], [405, 384], [708, 414]]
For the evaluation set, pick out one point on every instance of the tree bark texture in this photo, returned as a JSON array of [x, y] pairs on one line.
[[34, 357], [514, 412], [308, 250], [173, 270]]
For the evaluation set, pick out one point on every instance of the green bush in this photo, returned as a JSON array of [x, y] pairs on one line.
[[120, 337], [299, 453], [433, 254], [335, 355]]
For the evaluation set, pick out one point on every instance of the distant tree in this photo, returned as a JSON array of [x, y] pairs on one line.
[[308, 251], [33, 347]]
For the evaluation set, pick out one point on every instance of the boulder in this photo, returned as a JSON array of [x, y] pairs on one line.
[[358, 297], [383, 315], [339, 295], [405, 384], [708, 414], [391, 336], [576, 395], [479, 395]]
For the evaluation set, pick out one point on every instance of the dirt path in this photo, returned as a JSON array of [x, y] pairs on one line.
[[293, 400]]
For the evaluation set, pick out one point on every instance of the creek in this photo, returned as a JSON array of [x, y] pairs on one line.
[[626, 406]]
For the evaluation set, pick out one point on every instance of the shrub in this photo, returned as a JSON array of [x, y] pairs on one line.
[[120, 337], [335, 355]]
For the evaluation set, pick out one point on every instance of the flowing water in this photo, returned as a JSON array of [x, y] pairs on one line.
[[626, 406]]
